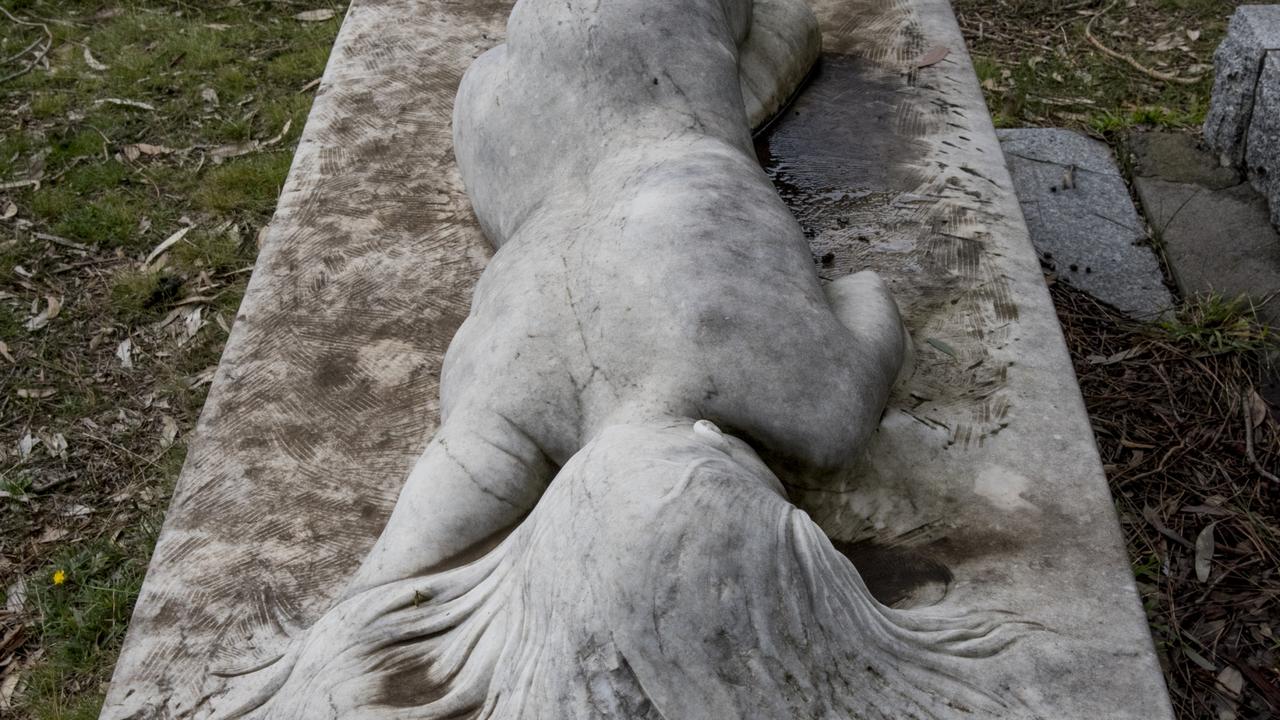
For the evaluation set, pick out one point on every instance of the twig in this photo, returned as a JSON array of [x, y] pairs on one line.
[[1248, 442], [23, 51], [57, 240], [38, 56], [1166, 77], [123, 449]]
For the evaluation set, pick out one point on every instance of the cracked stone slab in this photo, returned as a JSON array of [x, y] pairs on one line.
[[1082, 220], [327, 391], [1214, 226]]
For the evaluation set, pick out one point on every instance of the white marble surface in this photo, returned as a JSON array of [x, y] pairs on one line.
[[985, 462]]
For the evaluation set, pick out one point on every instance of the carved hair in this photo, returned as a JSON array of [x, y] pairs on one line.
[[658, 578]]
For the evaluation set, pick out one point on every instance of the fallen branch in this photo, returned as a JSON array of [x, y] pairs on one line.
[[1166, 77]]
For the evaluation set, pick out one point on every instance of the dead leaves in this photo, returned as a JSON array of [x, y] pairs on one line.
[[217, 153], [26, 445], [1257, 409], [1129, 59], [191, 324], [168, 431], [38, 321], [315, 15], [163, 247], [1204, 552], [124, 102], [933, 57], [1230, 683], [226, 152], [92, 62], [1186, 441], [136, 150], [124, 353]]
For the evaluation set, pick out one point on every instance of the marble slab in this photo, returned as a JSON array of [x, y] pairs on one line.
[[327, 391]]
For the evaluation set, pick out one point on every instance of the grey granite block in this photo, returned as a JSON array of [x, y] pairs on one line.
[[1082, 220], [1254, 31], [1262, 153]]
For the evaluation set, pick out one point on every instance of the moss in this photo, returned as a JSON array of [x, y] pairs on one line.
[[50, 104], [246, 183], [138, 295], [111, 220], [222, 250]]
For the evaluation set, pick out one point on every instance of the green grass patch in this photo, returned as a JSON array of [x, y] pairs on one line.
[[223, 249], [1219, 325], [1037, 67], [188, 77], [84, 598], [108, 218], [251, 184]]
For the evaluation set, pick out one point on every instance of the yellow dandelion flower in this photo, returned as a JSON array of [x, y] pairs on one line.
[[59, 577]]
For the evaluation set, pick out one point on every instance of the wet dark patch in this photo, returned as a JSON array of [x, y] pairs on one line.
[[842, 138], [166, 289], [858, 159], [892, 574], [975, 545]]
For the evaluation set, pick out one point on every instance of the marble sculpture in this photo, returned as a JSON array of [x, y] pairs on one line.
[[601, 527]]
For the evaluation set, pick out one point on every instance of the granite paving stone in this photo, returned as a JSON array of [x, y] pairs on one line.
[[1216, 234], [1082, 220]]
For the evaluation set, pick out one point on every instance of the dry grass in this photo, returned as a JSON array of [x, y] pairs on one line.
[[1188, 442]]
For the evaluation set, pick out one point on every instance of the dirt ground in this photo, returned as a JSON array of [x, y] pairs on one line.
[[142, 147]]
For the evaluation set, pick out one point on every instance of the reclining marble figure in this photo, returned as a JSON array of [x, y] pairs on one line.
[[601, 527]]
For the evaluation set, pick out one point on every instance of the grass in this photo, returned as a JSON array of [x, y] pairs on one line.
[[1215, 325], [118, 119], [1037, 66]]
